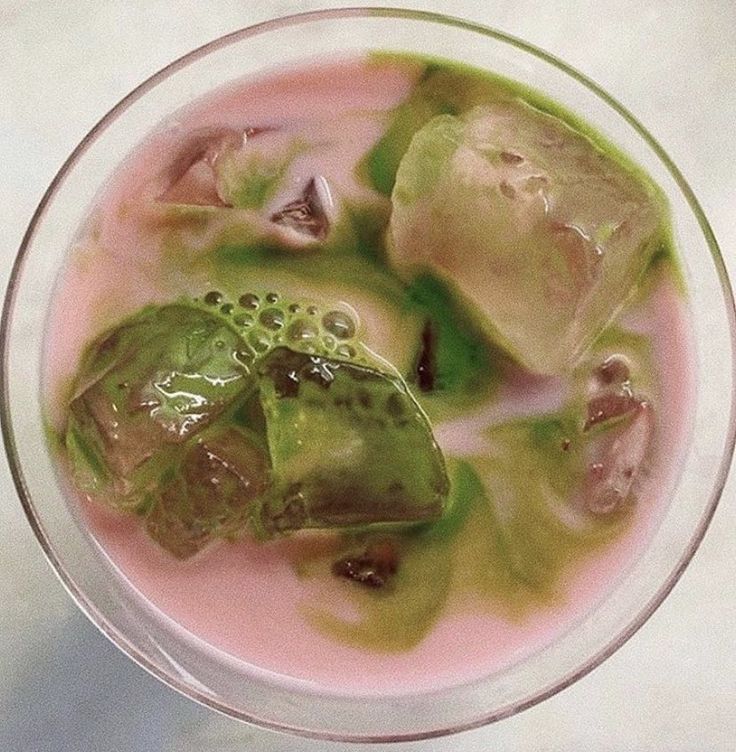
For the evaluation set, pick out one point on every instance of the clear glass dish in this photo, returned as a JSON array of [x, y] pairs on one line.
[[211, 677]]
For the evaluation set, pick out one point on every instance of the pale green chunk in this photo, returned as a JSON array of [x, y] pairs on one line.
[[536, 226], [540, 484]]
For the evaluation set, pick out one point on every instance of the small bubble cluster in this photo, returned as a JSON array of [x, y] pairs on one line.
[[269, 320]]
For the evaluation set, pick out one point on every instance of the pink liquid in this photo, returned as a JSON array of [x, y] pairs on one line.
[[245, 598]]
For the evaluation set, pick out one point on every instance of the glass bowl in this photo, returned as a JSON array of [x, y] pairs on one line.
[[211, 677]]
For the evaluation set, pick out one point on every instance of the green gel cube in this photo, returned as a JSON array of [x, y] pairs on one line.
[[210, 493], [349, 447], [143, 389]]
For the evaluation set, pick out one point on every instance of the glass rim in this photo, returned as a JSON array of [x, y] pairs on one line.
[[86, 605]]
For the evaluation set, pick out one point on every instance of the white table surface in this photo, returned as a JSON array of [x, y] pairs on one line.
[[63, 687]]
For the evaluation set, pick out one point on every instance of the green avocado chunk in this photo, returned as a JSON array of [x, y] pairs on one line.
[[349, 447]]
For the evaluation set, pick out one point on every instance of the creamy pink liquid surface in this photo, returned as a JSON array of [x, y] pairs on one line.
[[245, 598]]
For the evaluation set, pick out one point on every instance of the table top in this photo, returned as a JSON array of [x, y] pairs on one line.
[[63, 686]]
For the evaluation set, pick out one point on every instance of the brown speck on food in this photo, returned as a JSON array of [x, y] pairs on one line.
[[510, 158], [613, 370], [373, 568], [507, 189], [426, 365], [608, 406], [109, 343]]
